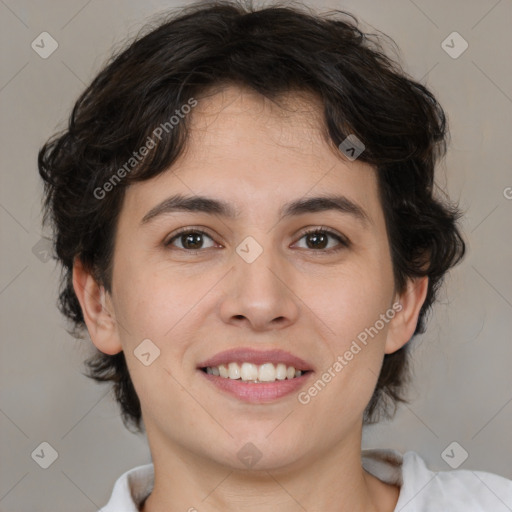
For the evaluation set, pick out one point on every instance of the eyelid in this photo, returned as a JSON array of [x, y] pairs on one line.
[[342, 239], [323, 229], [188, 229]]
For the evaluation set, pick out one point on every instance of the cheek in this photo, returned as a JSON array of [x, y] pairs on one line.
[[353, 301], [356, 350], [144, 302], [159, 305], [353, 311]]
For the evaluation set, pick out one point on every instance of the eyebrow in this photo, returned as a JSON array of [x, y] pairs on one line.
[[181, 203]]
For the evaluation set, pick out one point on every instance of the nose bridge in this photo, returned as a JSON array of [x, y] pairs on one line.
[[258, 266], [258, 290]]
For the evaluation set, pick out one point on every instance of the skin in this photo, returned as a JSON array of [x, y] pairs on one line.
[[246, 150]]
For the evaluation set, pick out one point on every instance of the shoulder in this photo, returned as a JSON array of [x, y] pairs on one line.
[[131, 489], [460, 490]]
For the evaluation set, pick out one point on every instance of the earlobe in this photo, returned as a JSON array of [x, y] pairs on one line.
[[403, 325], [97, 313]]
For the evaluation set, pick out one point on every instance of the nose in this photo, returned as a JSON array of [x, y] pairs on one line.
[[260, 294]]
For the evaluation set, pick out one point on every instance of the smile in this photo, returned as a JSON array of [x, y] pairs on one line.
[[256, 376], [249, 372]]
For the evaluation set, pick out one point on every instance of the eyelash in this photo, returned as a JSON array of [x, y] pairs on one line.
[[344, 242]]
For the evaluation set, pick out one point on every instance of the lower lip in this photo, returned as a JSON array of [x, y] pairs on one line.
[[261, 392]]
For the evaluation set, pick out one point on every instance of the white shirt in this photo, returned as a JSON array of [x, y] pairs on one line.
[[421, 490]]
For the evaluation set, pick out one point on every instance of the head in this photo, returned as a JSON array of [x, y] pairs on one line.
[[250, 107]]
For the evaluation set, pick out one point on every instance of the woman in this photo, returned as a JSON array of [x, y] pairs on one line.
[[243, 205]]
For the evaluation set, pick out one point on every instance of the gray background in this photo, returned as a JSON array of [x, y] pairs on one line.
[[463, 384]]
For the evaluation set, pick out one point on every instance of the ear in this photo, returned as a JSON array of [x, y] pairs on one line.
[[403, 324], [97, 310]]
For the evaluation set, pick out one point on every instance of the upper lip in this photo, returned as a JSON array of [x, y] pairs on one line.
[[257, 357]]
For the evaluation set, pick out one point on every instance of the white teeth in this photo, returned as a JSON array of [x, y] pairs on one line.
[[281, 371], [249, 371], [267, 372], [233, 371]]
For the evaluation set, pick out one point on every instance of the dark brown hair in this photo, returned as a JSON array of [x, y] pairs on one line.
[[271, 50]]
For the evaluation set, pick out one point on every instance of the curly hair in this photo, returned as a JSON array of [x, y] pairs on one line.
[[271, 50]]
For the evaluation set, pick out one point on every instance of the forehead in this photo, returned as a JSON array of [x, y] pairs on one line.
[[242, 146], [234, 115]]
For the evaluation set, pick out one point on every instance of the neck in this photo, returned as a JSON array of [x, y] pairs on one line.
[[333, 480]]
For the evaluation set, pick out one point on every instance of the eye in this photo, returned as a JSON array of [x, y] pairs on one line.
[[317, 239], [191, 239]]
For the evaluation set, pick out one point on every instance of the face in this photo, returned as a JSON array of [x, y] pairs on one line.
[[256, 282]]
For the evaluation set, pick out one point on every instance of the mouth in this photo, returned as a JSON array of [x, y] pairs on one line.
[[255, 376]]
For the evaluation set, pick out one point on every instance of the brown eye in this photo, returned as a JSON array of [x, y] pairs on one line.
[[318, 240], [190, 239]]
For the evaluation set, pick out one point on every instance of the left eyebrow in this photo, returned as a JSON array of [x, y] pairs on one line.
[[301, 206]]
